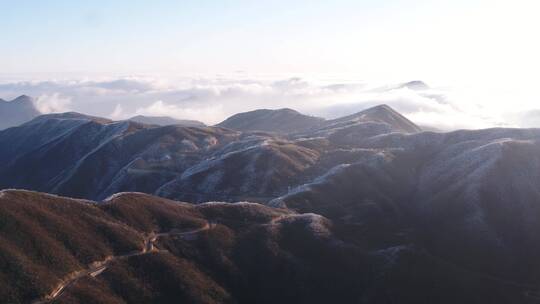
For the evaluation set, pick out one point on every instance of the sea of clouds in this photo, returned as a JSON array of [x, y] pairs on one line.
[[212, 99]]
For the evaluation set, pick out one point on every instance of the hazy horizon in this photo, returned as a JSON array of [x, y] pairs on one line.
[[208, 60]]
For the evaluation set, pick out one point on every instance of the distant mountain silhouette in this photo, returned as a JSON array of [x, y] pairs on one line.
[[415, 85], [17, 111]]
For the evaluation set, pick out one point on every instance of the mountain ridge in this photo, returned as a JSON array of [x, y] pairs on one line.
[[362, 207], [280, 120], [194, 164], [166, 120], [139, 248]]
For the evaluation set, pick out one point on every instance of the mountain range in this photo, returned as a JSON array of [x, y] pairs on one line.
[[101, 157], [136, 248], [366, 208]]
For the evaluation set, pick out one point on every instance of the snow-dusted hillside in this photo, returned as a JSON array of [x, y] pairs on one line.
[[101, 157], [412, 205], [472, 196]]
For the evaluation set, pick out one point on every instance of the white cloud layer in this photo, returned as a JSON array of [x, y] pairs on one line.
[[52, 103], [213, 99]]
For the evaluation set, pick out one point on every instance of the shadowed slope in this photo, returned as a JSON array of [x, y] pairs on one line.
[[245, 253], [471, 195]]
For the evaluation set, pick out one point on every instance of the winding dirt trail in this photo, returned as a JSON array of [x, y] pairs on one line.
[[278, 218], [96, 268]]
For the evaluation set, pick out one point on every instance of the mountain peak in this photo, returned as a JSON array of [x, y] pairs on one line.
[[22, 98], [286, 110], [379, 108], [17, 111], [382, 114], [70, 116], [415, 85], [387, 114], [19, 99], [283, 120]]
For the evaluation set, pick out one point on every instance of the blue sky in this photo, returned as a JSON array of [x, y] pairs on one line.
[[390, 38], [223, 36]]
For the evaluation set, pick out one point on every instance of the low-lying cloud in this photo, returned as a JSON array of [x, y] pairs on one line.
[[213, 99], [52, 103]]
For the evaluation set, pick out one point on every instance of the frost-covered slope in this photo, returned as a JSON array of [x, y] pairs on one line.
[[373, 121], [472, 195], [417, 214], [253, 168]]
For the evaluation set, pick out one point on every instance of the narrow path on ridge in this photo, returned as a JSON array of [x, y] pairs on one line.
[[98, 267]]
